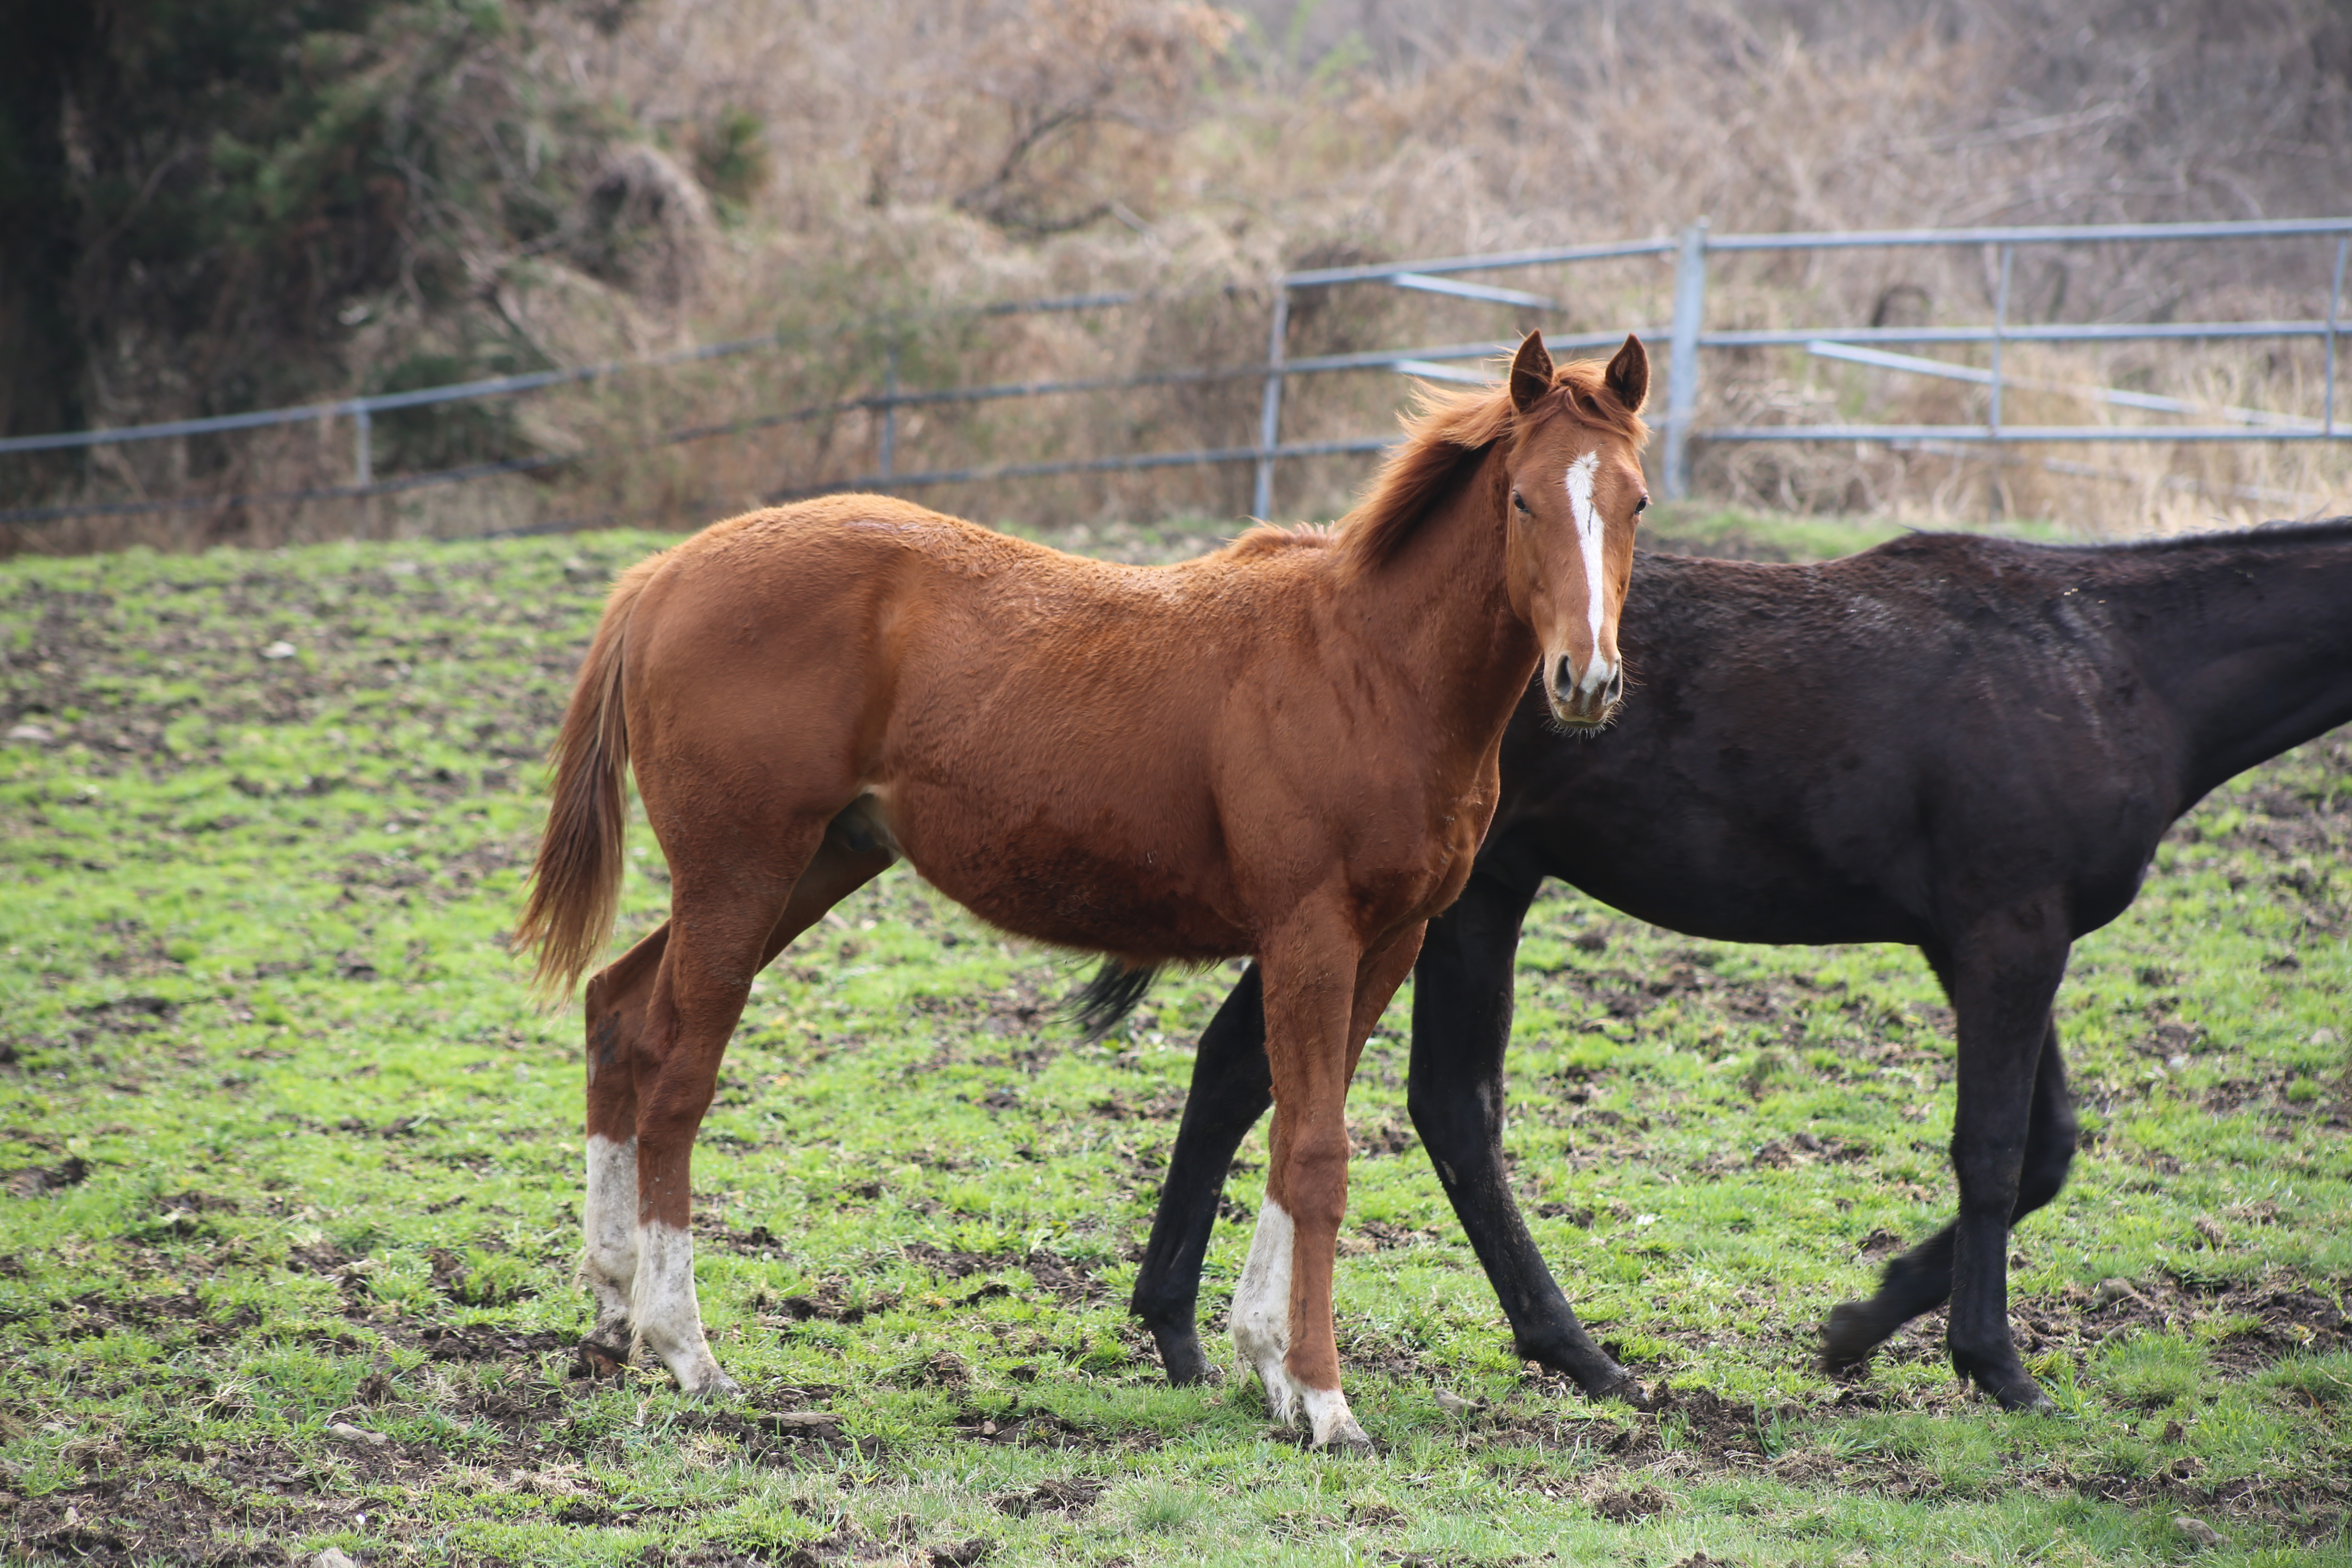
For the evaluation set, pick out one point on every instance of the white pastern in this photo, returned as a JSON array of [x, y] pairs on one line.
[[609, 1264], [1327, 1413], [665, 1314], [1579, 481], [1262, 1310]]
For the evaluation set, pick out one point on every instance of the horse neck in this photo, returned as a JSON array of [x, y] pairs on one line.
[[1440, 610], [2247, 644]]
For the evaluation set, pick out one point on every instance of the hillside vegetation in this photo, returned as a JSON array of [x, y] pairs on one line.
[[290, 1176], [218, 207]]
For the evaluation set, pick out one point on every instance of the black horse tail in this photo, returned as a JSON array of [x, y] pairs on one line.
[[1102, 1004]]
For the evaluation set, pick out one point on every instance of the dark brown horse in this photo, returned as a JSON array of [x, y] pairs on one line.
[[1286, 749], [1963, 745]]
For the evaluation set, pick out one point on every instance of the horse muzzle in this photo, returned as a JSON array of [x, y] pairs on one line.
[[1588, 703]]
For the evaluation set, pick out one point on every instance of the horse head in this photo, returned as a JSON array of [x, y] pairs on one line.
[[1574, 467]]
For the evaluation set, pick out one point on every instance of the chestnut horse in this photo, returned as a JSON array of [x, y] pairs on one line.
[[1286, 749]]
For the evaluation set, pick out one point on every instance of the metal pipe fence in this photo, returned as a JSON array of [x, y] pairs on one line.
[[1687, 334]]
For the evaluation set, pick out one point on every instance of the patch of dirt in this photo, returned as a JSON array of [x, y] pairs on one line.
[[708, 1230], [832, 1303], [158, 1519], [1379, 1236], [1694, 1431], [1042, 1428], [445, 1343], [1018, 1010], [2294, 1315], [1165, 1106], [1624, 1505], [781, 1436], [1797, 1149], [130, 1015], [32, 1180], [1062, 1277], [81, 658], [92, 1314], [1382, 1138]]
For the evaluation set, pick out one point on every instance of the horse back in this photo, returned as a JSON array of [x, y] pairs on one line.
[[1134, 727], [1861, 750]]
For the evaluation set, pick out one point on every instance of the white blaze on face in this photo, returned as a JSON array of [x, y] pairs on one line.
[[1261, 1317], [1579, 481]]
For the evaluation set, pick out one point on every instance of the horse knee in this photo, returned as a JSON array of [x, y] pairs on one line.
[[1458, 1128], [1315, 1192], [667, 1122], [1988, 1171]]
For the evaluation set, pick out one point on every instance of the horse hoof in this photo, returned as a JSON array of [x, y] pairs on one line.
[[1849, 1338], [1626, 1390], [2020, 1394], [598, 1362], [1349, 1441], [2004, 1381], [717, 1385], [1184, 1361]]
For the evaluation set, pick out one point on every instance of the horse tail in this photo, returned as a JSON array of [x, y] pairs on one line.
[[575, 887], [1097, 1007]]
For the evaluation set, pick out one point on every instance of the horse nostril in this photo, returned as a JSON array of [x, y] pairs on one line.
[[1616, 692], [1566, 680]]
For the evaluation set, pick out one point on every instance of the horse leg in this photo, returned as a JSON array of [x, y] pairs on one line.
[[1232, 1087], [616, 1008], [2001, 977], [617, 1001], [738, 897], [1461, 1027], [1316, 1024], [1921, 1279]]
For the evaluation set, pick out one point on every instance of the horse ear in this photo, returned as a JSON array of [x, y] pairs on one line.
[[1629, 373], [1531, 372]]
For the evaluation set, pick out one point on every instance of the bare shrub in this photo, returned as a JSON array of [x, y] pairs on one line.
[[853, 180]]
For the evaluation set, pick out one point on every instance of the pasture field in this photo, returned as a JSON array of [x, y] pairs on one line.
[[292, 1178]]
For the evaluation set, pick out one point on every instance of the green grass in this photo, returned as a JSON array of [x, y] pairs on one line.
[[1699, 528], [286, 1152]]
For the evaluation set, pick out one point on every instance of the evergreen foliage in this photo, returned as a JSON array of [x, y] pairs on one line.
[[254, 186]]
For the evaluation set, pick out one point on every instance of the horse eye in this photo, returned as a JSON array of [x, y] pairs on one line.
[[1518, 501], [1640, 506]]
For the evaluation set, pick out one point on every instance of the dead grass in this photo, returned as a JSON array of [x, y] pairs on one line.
[[906, 162]]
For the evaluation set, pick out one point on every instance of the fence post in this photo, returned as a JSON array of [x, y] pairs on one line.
[[2334, 315], [1682, 362], [889, 442], [363, 443], [1999, 325], [1269, 417]]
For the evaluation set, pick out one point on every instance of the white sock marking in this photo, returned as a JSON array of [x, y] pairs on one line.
[[663, 1311], [1327, 1413], [1579, 481], [1260, 1316], [609, 1219]]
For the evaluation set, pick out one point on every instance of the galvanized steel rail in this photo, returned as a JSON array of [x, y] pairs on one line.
[[1685, 333]]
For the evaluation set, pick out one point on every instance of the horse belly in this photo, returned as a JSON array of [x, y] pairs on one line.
[[1149, 891]]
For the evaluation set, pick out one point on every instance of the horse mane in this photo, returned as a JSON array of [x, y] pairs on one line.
[[1272, 539], [1447, 431]]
